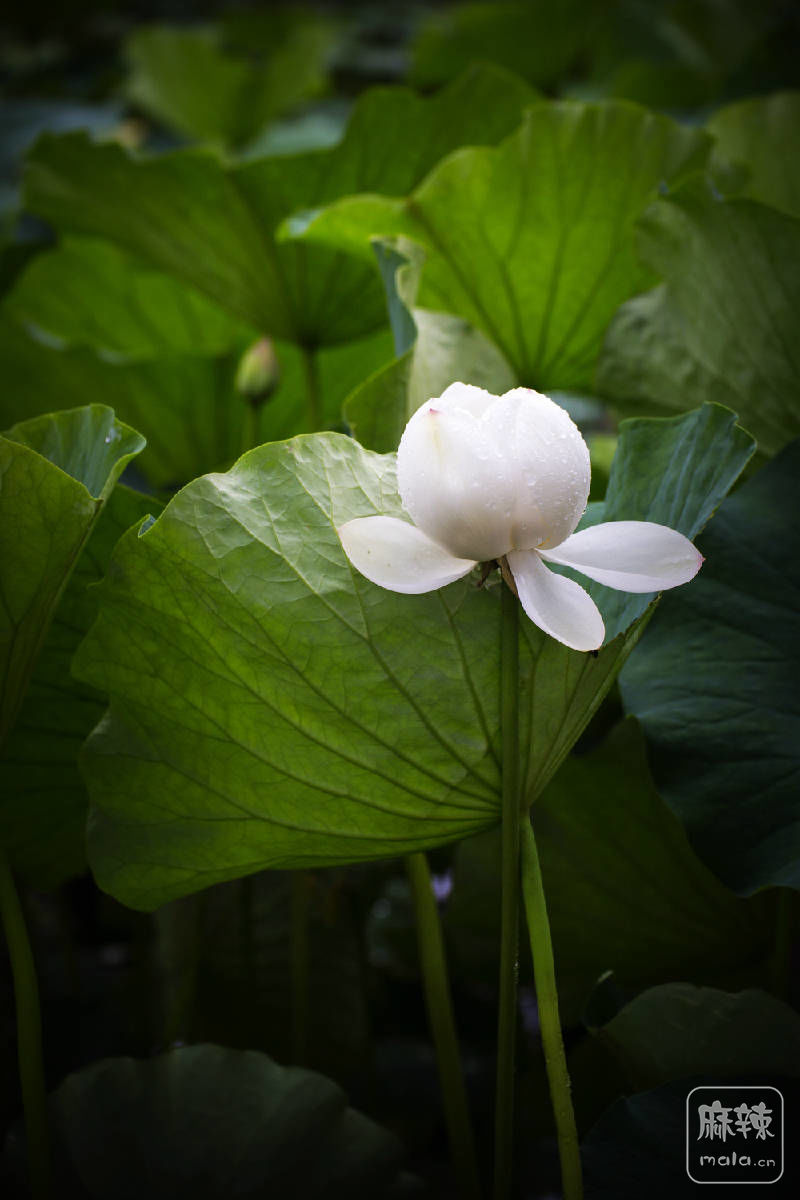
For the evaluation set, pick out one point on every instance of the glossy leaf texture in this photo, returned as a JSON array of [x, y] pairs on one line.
[[722, 325], [722, 721], [43, 811], [762, 135], [532, 241], [218, 1123], [605, 837], [213, 226], [56, 472], [270, 707], [433, 349]]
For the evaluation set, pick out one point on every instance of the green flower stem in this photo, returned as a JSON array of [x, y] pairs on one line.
[[440, 1015], [250, 423], [509, 916], [29, 1033], [549, 1022], [313, 391], [300, 965]]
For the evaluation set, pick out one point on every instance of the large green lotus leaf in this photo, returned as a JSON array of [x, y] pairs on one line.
[[433, 349], [215, 1123], [89, 293], [723, 325], [43, 814], [56, 472], [213, 226], [187, 78], [715, 687], [625, 890], [298, 715], [532, 241], [763, 134], [186, 405]]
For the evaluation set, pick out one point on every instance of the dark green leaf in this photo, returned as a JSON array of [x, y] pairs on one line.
[[55, 474], [216, 1123], [43, 814], [715, 687], [723, 327], [625, 890]]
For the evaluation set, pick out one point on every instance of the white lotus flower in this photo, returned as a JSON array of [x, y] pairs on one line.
[[506, 478]]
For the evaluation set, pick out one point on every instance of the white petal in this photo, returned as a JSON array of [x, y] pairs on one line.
[[549, 468], [632, 556], [465, 396], [556, 604], [454, 481], [398, 556]]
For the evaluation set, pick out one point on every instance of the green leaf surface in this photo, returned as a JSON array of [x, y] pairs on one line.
[[763, 135], [298, 715], [186, 405], [213, 226], [43, 814], [723, 325], [55, 474], [88, 293], [434, 349], [188, 79], [217, 1123], [625, 890], [532, 241], [674, 472], [714, 686]]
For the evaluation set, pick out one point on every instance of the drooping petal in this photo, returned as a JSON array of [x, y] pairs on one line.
[[556, 604], [398, 556], [454, 481], [549, 466], [632, 556]]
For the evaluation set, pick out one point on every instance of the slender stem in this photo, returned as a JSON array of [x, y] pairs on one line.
[[509, 914], [549, 1022], [250, 435], [313, 391], [29, 1033], [299, 956], [440, 1014]]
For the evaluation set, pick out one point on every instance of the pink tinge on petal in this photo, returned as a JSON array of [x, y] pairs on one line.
[[631, 556], [398, 556], [559, 606]]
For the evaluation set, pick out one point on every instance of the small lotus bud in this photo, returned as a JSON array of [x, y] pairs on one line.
[[258, 372]]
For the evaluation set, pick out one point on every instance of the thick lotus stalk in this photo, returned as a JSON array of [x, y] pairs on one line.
[[506, 479]]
